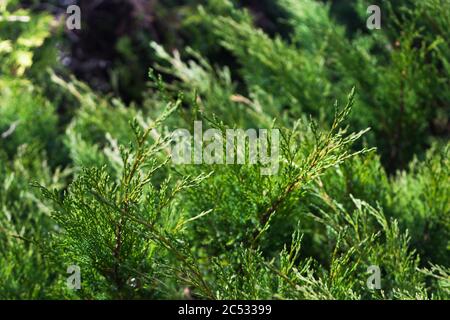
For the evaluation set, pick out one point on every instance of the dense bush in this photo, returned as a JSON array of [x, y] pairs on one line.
[[87, 179]]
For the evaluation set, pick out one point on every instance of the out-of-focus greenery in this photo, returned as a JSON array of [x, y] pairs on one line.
[[86, 178]]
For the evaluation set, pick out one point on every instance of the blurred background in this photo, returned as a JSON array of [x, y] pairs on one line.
[[111, 52]]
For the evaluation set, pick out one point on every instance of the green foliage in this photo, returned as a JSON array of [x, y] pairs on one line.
[[20, 34], [421, 200], [26, 117], [363, 178], [24, 221]]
